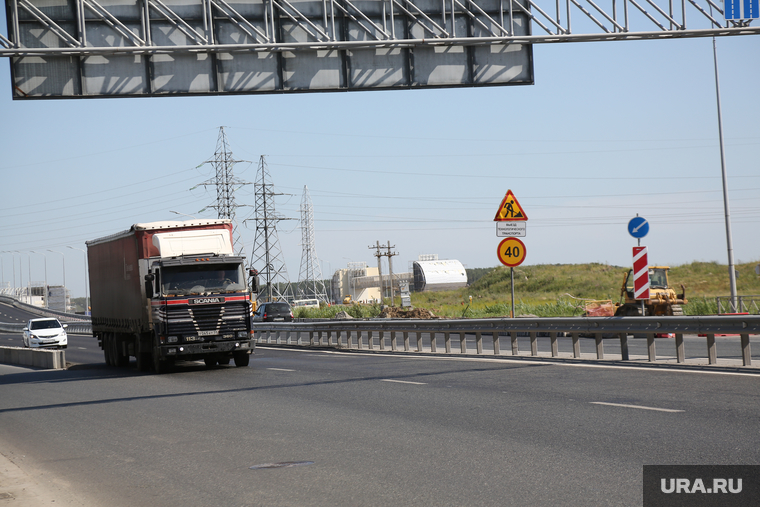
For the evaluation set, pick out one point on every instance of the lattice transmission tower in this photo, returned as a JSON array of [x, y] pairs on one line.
[[267, 255], [226, 184], [310, 283]]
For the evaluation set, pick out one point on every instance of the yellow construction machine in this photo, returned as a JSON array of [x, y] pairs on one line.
[[663, 299]]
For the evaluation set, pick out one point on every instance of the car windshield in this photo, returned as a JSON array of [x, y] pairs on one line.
[[199, 279], [45, 324]]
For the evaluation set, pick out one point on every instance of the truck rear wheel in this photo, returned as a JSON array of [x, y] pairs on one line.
[[241, 358], [106, 342], [117, 357]]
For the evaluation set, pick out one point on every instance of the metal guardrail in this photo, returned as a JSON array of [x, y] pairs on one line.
[[362, 334], [744, 304]]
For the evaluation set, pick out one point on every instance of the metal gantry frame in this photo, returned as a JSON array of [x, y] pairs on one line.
[[262, 24]]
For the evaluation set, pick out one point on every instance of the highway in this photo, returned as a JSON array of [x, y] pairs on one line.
[[368, 430]]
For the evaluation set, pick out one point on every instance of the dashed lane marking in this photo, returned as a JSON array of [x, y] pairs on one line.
[[641, 407], [403, 382]]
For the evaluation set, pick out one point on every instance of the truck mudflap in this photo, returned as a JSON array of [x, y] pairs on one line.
[[188, 351]]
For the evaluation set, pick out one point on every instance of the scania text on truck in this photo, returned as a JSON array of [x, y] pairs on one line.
[[168, 291]]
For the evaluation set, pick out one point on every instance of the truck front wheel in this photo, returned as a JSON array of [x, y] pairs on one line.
[[241, 358]]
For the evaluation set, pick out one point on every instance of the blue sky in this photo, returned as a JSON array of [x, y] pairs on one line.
[[608, 130]]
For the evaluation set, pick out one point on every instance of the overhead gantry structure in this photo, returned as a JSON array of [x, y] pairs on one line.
[[371, 43]]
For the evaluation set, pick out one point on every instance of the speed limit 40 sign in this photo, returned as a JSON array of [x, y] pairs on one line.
[[511, 252]]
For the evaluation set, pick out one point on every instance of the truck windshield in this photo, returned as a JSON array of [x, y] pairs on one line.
[[200, 279]]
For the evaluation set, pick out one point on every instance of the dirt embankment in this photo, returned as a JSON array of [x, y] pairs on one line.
[[394, 312]]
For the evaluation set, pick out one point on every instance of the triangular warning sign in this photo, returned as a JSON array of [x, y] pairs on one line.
[[510, 209]]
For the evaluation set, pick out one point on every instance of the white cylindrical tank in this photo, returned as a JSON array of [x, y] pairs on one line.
[[438, 275]]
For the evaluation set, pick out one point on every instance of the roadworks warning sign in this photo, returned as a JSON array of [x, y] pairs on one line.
[[510, 209]]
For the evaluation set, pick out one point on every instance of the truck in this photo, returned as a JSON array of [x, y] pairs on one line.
[[170, 291]]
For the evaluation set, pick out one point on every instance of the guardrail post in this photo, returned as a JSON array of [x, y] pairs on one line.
[[651, 349], [370, 341], [712, 350], [298, 337], [381, 339], [555, 348], [746, 355], [447, 341], [496, 350], [576, 345], [624, 346], [311, 338], [533, 344], [513, 339], [680, 356], [359, 344], [319, 338], [432, 343], [406, 341], [329, 339], [599, 346], [393, 341], [462, 343], [419, 341], [478, 342]]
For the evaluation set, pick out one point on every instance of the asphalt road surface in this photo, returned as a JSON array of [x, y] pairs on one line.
[[323, 428]]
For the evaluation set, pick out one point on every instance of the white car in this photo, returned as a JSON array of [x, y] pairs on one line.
[[47, 332]]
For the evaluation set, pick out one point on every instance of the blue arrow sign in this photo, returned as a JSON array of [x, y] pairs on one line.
[[742, 9], [638, 227]]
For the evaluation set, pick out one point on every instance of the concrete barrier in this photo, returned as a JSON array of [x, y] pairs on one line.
[[38, 358]]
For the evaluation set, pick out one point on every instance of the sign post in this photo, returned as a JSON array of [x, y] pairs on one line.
[[511, 222]]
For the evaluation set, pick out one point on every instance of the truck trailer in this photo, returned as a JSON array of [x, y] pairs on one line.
[[170, 291]]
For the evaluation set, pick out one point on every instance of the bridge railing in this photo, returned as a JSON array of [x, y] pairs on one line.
[[77, 324], [386, 333]]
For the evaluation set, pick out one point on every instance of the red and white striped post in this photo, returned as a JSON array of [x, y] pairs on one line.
[[640, 274]]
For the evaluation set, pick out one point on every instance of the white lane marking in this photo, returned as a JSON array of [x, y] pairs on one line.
[[279, 369], [403, 382], [82, 348], [635, 406]]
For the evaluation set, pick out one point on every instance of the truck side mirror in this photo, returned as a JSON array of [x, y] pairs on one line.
[[149, 285], [254, 283]]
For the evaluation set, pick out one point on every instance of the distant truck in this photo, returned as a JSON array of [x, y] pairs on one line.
[[168, 291]]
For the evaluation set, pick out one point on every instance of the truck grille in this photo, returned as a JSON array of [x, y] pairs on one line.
[[217, 319]]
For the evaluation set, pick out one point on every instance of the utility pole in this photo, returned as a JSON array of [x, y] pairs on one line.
[[390, 255]]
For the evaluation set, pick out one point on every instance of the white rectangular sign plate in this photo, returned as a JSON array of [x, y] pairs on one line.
[[510, 229]]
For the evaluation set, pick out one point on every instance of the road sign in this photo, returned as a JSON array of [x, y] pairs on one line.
[[640, 273], [510, 209], [511, 252], [638, 227], [510, 229], [742, 9]]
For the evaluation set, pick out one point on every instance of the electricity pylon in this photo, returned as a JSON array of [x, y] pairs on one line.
[[267, 255], [310, 283], [226, 185]]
